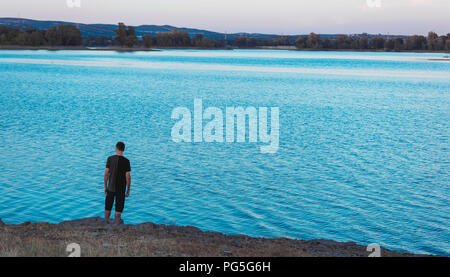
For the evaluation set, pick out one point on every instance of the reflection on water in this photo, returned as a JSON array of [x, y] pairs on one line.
[[224, 67]]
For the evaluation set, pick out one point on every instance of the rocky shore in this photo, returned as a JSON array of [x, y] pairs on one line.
[[98, 237]]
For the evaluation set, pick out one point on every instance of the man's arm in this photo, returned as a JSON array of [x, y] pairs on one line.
[[106, 178], [128, 175]]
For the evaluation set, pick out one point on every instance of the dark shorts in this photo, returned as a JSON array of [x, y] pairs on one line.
[[120, 201]]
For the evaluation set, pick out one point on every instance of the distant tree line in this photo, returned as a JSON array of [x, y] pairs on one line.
[[432, 42], [97, 41], [250, 42], [70, 35], [179, 38], [126, 37], [61, 35]]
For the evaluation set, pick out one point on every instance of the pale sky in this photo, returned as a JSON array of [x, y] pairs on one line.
[[262, 16]]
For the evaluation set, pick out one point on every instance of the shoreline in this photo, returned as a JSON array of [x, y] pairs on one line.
[[117, 49], [99, 238], [60, 48]]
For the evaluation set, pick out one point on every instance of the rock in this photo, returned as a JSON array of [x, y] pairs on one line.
[[161, 253], [95, 222], [227, 252], [90, 221], [117, 222], [172, 228], [2, 223], [236, 243], [327, 242], [191, 229], [117, 225], [144, 226]]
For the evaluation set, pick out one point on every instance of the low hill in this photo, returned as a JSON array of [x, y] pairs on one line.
[[108, 29]]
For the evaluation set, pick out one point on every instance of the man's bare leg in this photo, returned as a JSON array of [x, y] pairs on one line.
[[117, 215], [107, 214]]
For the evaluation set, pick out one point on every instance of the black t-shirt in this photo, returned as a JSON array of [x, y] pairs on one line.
[[118, 167]]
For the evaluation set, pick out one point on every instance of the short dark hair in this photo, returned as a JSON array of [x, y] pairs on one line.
[[120, 146]]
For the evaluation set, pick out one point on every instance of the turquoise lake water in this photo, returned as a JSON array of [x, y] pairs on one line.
[[363, 150]]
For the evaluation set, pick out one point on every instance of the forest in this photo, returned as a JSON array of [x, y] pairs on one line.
[[69, 35]]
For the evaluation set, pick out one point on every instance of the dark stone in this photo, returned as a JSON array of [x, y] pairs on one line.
[[90, 221], [96, 222], [2, 223], [328, 242], [147, 226], [191, 229], [116, 227], [116, 222], [236, 243]]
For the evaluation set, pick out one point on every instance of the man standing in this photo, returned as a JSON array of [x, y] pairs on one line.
[[118, 173]]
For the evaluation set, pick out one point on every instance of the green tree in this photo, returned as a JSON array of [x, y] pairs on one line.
[[22, 39], [37, 38], [176, 38], [3, 39], [440, 44], [399, 44], [131, 39], [251, 42], [313, 41], [121, 34], [69, 35], [207, 43], [416, 43], [354, 43], [432, 41], [282, 41], [343, 42], [240, 42], [389, 44], [326, 44], [8, 35], [97, 41], [125, 36], [52, 36], [300, 43], [163, 39], [147, 40], [220, 43], [63, 34], [377, 43], [197, 40], [180, 38], [363, 44]]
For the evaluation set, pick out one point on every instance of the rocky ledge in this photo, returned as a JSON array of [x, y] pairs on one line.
[[98, 237]]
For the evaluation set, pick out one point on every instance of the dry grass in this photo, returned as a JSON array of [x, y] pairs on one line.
[[43, 240]]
